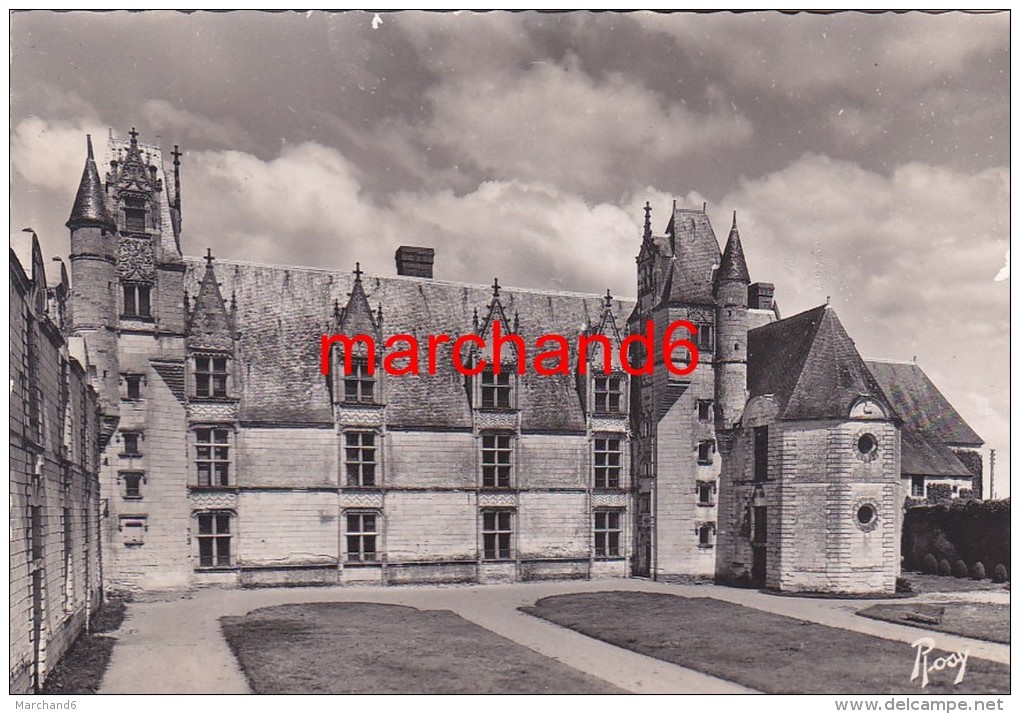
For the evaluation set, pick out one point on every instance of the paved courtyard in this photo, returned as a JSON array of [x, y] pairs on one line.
[[172, 643]]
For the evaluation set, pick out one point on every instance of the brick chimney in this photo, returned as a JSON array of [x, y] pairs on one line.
[[414, 261], [760, 296]]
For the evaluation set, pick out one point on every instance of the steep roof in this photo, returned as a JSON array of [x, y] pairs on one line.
[[925, 455], [921, 405], [733, 265], [209, 324], [810, 365], [696, 251], [283, 311], [90, 201]]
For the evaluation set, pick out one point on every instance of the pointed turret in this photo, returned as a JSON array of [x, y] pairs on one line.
[[90, 202], [357, 318], [730, 358], [733, 266], [210, 326]]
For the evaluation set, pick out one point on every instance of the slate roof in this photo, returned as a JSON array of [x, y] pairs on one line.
[[921, 405], [696, 251], [733, 265], [209, 324], [283, 311], [90, 201], [810, 365], [930, 423]]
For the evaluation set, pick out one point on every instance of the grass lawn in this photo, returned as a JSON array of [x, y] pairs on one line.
[[355, 648], [767, 652], [81, 669], [923, 584], [980, 620]]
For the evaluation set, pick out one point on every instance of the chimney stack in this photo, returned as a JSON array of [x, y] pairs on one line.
[[760, 296], [415, 262]]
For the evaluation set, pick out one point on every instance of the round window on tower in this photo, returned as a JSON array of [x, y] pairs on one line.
[[866, 515], [865, 446]]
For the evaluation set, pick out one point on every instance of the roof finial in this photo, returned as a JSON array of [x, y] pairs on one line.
[[495, 287], [336, 309], [208, 257], [88, 140], [474, 319], [609, 298], [517, 322], [827, 299], [357, 272], [177, 177], [134, 137], [734, 226], [648, 219]]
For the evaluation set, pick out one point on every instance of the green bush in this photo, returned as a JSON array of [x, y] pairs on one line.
[[1000, 575], [977, 571], [929, 565], [945, 569], [960, 569]]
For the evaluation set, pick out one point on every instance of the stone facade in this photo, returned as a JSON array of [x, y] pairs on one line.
[[55, 567], [238, 461]]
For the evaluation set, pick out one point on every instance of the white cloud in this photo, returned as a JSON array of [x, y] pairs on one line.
[[52, 154], [181, 124], [557, 124], [908, 259]]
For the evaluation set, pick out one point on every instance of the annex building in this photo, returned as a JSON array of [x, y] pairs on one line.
[[231, 458]]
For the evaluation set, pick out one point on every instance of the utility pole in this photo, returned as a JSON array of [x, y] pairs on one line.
[[991, 474]]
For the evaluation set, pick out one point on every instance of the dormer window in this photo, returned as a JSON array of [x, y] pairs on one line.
[[137, 300], [210, 377], [134, 215], [359, 384], [497, 390], [608, 394]]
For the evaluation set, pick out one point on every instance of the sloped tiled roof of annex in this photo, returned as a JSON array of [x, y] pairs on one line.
[[282, 312], [810, 365]]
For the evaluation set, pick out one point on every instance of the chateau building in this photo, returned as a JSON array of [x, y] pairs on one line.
[[56, 575], [233, 459]]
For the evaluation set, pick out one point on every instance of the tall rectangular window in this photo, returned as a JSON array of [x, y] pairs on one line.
[[608, 394], [360, 457], [761, 453], [137, 300], [132, 482], [497, 533], [917, 486], [496, 390], [131, 440], [210, 376], [607, 534], [362, 537], [497, 461], [134, 215], [705, 450], [704, 410], [706, 337], [212, 456], [706, 532], [134, 385], [68, 559], [359, 385], [214, 539], [706, 493], [761, 525], [607, 462]]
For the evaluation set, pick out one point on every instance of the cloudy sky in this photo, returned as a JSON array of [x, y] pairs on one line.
[[867, 156]]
